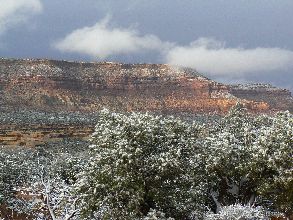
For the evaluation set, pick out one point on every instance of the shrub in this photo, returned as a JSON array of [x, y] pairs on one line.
[[15, 165], [141, 162], [240, 212], [272, 163], [156, 215], [249, 160]]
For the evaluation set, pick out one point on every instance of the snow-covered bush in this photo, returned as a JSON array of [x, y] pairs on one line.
[[229, 150], [15, 166], [51, 186], [249, 160], [39, 181], [141, 166], [140, 162], [154, 214], [239, 212], [272, 162], [51, 192]]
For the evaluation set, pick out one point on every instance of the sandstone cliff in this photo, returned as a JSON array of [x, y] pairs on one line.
[[75, 86], [45, 100], [277, 98]]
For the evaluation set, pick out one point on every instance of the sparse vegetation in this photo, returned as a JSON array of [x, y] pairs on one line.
[[141, 166]]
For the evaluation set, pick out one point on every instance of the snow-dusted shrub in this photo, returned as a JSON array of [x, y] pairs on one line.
[[154, 214], [52, 198], [51, 189], [272, 162], [229, 150], [141, 162], [249, 159], [52, 183], [15, 165], [238, 212], [39, 181]]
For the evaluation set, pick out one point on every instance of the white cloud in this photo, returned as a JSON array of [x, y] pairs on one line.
[[205, 55], [13, 12], [211, 56], [103, 41]]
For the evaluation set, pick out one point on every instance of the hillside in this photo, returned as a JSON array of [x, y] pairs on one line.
[[49, 85], [45, 100]]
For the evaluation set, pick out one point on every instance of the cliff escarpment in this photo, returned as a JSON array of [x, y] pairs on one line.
[[49, 85], [48, 100], [277, 98]]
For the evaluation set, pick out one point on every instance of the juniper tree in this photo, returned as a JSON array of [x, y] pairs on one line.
[[141, 162], [249, 160]]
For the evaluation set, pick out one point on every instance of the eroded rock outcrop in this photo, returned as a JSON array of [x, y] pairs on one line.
[[277, 98], [76, 86], [46, 87]]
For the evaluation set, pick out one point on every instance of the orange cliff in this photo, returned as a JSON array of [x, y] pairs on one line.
[[48, 85], [36, 96]]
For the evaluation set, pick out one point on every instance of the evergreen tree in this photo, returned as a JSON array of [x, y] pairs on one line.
[[142, 162]]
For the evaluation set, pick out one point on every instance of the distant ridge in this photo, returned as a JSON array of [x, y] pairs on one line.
[[58, 85], [43, 101]]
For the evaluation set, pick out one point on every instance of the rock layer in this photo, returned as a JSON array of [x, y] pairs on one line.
[[37, 135], [277, 98], [75, 86], [46, 87]]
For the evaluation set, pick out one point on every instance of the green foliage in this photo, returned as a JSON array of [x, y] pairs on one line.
[[141, 162], [228, 150], [15, 166], [249, 159], [272, 165], [244, 212], [42, 174], [141, 166], [156, 215]]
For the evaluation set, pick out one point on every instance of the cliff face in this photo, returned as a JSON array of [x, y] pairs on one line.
[[72, 86], [32, 92], [278, 99], [38, 135]]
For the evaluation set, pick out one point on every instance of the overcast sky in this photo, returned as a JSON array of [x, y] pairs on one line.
[[226, 40]]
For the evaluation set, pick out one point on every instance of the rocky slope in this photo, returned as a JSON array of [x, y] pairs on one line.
[[32, 128], [277, 98], [75, 86], [32, 91]]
